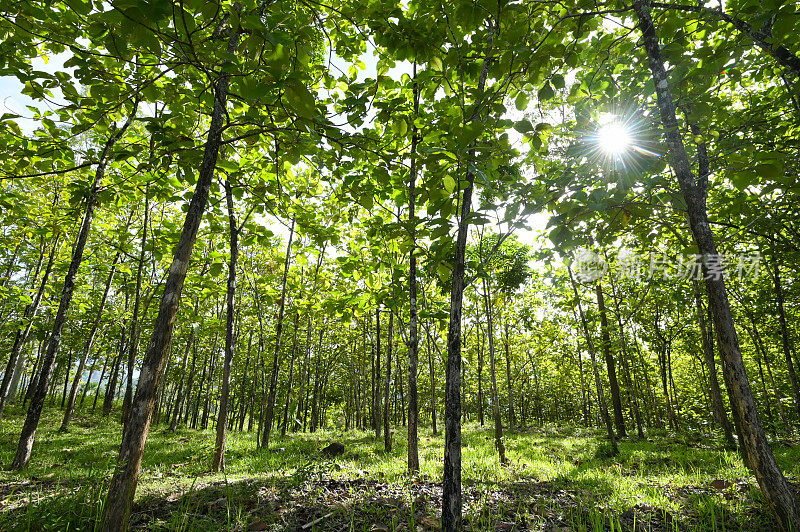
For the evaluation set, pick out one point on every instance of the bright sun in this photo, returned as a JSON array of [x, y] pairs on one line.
[[613, 138]]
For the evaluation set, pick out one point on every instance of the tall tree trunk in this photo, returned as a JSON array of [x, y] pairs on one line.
[[87, 348], [218, 463], [111, 387], [133, 341], [376, 397], [179, 395], [626, 371], [413, 325], [432, 379], [584, 394], [479, 341], [387, 434], [315, 399], [14, 361], [720, 415], [123, 484], [761, 460], [243, 387], [601, 397], [765, 356], [786, 340], [273, 382], [99, 384], [498, 420], [512, 420], [288, 401], [616, 402], [451, 478], [28, 434]]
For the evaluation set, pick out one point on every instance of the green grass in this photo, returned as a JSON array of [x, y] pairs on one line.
[[559, 478]]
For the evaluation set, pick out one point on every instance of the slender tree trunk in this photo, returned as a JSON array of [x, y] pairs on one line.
[[111, 387], [601, 398], [498, 421], [99, 384], [761, 460], [179, 395], [28, 434], [87, 348], [765, 356], [376, 397], [720, 414], [451, 478], [786, 341], [584, 394], [512, 421], [133, 342], [288, 401], [480, 374], [243, 387], [24, 331], [190, 384], [88, 381], [218, 463], [387, 434], [619, 420], [314, 423], [413, 325], [273, 382], [432, 379], [11, 396], [123, 484], [626, 371]]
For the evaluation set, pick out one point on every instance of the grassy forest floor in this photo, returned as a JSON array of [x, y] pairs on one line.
[[559, 478]]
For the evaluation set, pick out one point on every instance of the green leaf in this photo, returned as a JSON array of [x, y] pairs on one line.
[[523, 126], [300, 99], [215, 269], [449, 184], [399, 127], [773, 170], [521, 102], [546, 92], [743, 179]]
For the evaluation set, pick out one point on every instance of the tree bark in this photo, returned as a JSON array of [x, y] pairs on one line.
[[616, 402], [387, 434], [512, 421], [498, 421], [28, 434], [273, 382], [720, 415], [87, 348], [626, 372], [179, 395], [479, 341], [218, 463], [13, 367], [376, 397], [451, 478], [288, 401], [601, 397], [413, 325], [116, 512], [786, 341], [243, 387], [761, 460], [133, 341]]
